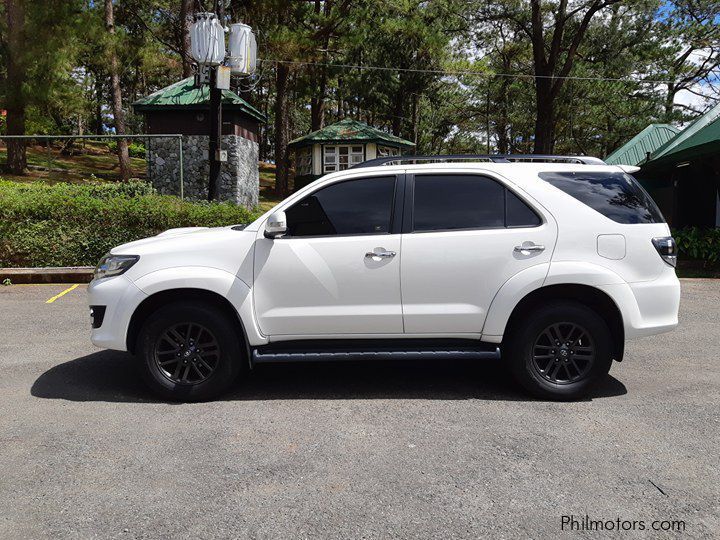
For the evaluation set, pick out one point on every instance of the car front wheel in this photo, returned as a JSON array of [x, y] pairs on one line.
[[189, 352], [560, 351]]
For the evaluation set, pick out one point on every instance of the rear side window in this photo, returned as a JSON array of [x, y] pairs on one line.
[[517, 213], [451, 202], [615, 195]]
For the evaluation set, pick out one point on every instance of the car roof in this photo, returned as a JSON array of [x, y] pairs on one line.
[[509, 169]]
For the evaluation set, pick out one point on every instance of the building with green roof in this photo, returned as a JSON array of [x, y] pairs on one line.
[[341, 145], [683, 174], [184, 108], [642, 145]]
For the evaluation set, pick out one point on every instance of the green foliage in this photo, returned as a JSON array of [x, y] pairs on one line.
[[74, 225], [6, 282], [697, 243], [487, 44], [134, 149]]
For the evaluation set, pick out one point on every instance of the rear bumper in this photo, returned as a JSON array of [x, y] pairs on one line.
[[648, 307]]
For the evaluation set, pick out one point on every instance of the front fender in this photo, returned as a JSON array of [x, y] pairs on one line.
[[223, 283]]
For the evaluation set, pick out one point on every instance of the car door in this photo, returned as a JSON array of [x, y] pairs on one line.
[[337, 270], [464, 236]]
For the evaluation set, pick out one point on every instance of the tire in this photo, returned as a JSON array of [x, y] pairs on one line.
[[565, 372], [189, 352]]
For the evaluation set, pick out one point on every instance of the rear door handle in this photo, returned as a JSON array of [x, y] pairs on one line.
[[382, 254], [526, 246]]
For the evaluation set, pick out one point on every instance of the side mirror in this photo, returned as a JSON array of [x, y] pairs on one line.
[[276, 225]]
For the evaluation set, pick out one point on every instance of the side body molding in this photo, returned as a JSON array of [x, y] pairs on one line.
[[225, 284]]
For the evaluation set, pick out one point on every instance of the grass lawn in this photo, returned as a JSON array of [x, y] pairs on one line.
[[267, 185], [91, 159], [94, 161]]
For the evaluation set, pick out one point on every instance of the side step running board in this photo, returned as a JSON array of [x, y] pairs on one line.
[[265, 357]]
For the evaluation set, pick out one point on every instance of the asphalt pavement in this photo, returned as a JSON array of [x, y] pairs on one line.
[[374, 450]]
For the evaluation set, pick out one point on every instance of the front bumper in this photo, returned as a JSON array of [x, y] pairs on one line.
[[120, 297], [648, 307]]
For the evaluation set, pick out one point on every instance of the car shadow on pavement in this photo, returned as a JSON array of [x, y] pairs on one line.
[[113, 376]]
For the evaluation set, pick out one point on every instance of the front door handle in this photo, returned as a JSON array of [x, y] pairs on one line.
[[378, 253], [529, 246]]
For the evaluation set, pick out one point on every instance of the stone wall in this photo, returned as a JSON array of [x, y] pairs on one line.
[[239, 176]]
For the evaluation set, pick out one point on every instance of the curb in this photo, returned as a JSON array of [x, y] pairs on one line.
[[62, 274]]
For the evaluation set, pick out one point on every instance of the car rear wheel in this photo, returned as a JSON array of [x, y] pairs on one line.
[[560, 351], [189, 352]]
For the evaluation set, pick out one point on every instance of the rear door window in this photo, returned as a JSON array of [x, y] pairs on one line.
[[517, 213], [616, 195], [456, 201]]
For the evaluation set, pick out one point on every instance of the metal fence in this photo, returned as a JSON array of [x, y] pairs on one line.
[[50, 159]]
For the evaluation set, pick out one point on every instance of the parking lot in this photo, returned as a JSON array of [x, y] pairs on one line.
[[374, 450]]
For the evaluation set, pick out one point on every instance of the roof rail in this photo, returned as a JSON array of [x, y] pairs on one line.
[[493, 158]]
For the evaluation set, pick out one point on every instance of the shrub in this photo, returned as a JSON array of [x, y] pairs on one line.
[[74, 225], [135, 149], [697, 243]]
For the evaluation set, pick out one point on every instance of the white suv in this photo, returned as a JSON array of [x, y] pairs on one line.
[[552, 262]]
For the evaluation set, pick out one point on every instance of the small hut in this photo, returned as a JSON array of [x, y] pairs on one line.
[[184, 108], [339, 146]]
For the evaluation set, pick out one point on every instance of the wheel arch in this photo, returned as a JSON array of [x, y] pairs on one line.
[[592, 297], [155, 301]]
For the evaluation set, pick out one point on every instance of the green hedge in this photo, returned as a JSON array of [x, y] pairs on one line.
[[697, 243], [74, 225]]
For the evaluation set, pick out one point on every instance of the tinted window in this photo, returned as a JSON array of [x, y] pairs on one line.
[[615, 195], [517, 213], [457, 202], [354, 207]]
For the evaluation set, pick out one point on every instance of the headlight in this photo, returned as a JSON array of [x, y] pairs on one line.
[[114, 265]]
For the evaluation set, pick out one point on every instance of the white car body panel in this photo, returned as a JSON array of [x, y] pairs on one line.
[[334, 286], [449, 279], [122, 297], [441, 284]]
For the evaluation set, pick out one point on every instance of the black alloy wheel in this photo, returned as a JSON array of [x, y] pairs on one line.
[[190, 350], [187, 353], [563, 353], [560, 350]]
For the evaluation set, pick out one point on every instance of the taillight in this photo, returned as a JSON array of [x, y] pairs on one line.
[[667, 249]]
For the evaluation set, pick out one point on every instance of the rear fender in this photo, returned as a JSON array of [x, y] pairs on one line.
[[543, 275]]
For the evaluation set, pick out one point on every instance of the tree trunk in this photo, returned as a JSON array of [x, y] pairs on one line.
[[118, 114], [545, 117], [502, 125], [415, 118], [187, 8], [550, 70], [317, 102], [14, 96], [398, 108], [282, 130], [98, 120], [670, 103]]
